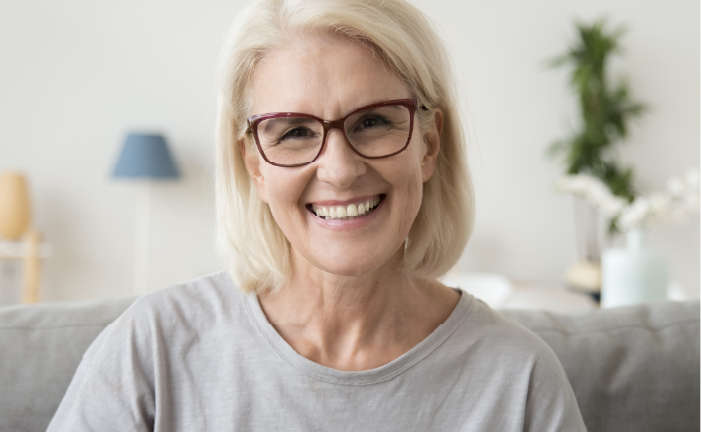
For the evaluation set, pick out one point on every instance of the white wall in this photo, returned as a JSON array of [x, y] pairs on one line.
[[75, 75]]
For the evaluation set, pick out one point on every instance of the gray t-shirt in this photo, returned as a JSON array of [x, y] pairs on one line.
[[201, 356]]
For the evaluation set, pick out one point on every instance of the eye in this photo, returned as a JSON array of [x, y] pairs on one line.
[[298, 132], [369, 122]]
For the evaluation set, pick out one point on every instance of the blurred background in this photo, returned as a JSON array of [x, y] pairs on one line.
[[77, 76]]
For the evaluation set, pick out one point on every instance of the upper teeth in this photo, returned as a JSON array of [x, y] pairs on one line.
[[351, 210]]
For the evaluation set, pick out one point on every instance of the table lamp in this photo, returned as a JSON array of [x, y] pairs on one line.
[[145, 157], [15, 215], [15, 225]]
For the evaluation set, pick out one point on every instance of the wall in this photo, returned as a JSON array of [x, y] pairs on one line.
[[76, 75]]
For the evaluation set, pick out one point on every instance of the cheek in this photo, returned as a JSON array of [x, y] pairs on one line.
[[409, 193], [282, 191], [413, 167], [278, 193], [414, 194]]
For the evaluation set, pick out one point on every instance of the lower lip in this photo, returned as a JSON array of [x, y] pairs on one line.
[[348, 224]]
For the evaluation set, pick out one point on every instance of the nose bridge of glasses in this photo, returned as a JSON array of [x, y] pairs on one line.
[[338, 161], [334, 124], [346, 145]]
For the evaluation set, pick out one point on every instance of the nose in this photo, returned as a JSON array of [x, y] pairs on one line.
[[339, 165]]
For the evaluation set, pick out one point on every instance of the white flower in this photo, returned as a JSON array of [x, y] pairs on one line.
[[612, 205], [575, 184], [678, 201], [659, 204], [598, 192], [634, 216], [590, 188]]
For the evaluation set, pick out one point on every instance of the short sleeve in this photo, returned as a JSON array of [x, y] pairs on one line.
[[551, 404], [112, 389]]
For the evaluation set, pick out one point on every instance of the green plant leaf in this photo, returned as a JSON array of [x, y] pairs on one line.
[[605, 106]]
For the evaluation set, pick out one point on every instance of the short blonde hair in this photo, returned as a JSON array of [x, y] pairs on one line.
[[256, 251]]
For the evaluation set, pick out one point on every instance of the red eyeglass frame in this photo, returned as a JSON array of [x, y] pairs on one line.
[[327, 125]]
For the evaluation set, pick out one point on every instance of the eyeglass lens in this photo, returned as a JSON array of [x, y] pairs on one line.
[[373, 132]]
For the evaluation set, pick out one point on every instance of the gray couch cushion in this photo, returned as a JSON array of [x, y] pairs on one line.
[[41, 346], [633, 368]]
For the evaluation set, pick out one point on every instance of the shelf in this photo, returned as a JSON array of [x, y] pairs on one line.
[[20, 250]]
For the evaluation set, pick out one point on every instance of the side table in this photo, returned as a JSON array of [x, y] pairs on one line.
[[549, 296], [31, 252]]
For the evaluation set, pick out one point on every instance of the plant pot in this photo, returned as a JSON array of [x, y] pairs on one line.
[[634, 274]]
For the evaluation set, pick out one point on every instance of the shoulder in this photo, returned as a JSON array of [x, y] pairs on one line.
[[139, 353], [179, 312], [509, 356], [158, 323], [207, 297], [487, 331]]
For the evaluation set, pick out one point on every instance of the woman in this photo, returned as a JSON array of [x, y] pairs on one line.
[[342, 194]]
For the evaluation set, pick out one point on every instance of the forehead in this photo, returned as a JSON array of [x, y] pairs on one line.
[[323, 74]]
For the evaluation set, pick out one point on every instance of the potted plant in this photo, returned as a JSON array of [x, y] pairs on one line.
[[605, 108]]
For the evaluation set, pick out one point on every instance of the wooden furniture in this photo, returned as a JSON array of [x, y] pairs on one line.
[[30, 251], [500, 292], [548, 296]]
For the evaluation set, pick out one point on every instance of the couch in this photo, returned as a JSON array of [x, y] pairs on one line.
[[632, 368]]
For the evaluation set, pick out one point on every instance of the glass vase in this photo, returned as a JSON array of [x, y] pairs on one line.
[[633, 274]]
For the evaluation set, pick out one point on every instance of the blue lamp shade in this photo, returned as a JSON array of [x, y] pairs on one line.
[[145, 156]]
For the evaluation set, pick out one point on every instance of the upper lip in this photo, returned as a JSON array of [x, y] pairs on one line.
[[344, 202]]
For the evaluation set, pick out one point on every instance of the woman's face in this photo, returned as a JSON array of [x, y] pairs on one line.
[[329, 76]]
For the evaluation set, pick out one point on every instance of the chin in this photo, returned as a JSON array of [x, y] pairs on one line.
[[362, 264]]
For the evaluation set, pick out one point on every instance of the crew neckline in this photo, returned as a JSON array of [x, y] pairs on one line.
[[381, 373]]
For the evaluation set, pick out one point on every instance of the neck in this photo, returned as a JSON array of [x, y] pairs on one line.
[[356, 322]]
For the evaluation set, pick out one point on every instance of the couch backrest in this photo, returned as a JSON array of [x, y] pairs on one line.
[[40, 348], [634, 368], [631, 368]]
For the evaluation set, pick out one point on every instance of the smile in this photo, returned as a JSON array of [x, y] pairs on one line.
[[349, 211]]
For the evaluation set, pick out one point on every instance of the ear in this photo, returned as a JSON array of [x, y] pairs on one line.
[[252, 161], [432, 140]]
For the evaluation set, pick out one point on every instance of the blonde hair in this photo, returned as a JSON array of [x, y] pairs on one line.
[[256, 251]]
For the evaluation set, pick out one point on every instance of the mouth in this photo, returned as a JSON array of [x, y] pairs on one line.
[[346, 212]]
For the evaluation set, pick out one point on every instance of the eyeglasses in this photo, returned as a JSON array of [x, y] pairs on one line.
[[290, 139]]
